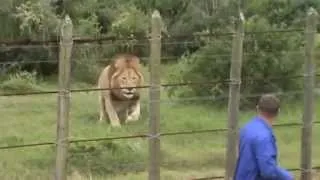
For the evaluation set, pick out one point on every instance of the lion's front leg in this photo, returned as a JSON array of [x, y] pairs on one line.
[[113, 116], [102, 109], [134, 113]]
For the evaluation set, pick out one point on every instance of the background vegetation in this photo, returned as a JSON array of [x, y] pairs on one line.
[[184, 59]]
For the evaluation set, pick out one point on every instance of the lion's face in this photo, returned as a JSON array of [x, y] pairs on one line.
[[125, 73], [127, 80]]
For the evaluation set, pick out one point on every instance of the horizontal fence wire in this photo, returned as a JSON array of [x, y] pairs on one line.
[[135, 43], [216, 98], [81, 40], [105, 60], [163, 85], [222, 177], [218, 130], [146, 58]]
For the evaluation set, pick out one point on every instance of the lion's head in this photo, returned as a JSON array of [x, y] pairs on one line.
[[125, 74]]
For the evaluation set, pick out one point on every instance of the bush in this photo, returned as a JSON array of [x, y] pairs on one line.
[[85, 67], [266, 55], [20, 82], [37, 18], [108, 157]]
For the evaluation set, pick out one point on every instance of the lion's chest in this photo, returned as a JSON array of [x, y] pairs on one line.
[[124, 108], [123, 105]]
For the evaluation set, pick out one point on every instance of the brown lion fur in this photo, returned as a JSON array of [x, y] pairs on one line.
[[117, 103]]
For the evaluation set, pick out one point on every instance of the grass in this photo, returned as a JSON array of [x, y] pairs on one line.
[[31, 119]]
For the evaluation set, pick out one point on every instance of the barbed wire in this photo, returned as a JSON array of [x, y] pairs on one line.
[[224, 81], [144, 135], [80, 40], [163, 57]]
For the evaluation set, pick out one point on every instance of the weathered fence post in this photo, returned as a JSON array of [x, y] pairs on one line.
[[308, 113], [154, 124], [234, 97], [63, 99]]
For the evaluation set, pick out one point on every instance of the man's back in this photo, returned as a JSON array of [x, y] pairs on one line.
[[258, 153]]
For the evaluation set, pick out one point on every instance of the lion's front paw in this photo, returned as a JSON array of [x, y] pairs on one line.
[[115, 123], [132, 118]]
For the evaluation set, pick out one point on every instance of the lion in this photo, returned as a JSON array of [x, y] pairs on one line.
[[123, 104]]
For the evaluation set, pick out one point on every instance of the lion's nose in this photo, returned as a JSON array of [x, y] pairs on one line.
[[130, 89]]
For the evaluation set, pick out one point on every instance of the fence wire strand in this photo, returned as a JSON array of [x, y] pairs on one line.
[[81, 40], [290, 169], [141, 135], [148, 86], [102, 60], [224, 81]]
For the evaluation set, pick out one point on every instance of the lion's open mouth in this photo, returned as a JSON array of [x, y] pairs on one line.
[[128, 94]]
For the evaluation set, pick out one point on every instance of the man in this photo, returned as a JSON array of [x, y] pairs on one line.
[[257, 147]]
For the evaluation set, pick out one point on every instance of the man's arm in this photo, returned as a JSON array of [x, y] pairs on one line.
[[265, 154]]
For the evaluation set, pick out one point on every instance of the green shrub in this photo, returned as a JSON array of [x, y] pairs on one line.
[[85, 67], [108, 157], [22, 81], [266, 55]]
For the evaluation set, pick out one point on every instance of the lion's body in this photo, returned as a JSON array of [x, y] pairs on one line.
[[120, 105]]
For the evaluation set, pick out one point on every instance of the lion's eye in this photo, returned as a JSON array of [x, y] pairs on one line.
[[123, 78]]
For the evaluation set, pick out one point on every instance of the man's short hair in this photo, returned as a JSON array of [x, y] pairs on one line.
[[269, 103]]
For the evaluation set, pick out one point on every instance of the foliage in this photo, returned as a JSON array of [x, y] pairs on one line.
[[291, 12], [85, 67], [88, 26], [22, 81], [130, 21], [32, 20], [107, 157], [265, 56], [35, 19]]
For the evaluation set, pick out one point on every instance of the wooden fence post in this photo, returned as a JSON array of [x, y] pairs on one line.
[[63, 99], [234, 97], [308, 113], [154, 95]]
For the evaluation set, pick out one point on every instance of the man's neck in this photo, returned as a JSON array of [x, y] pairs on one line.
[[266, 119]]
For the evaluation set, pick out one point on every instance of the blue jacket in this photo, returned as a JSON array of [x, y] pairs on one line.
[[257, 158]]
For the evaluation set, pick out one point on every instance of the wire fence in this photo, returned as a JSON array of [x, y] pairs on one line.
[[155, 135], [82, 40], [146, 135], [162, 85]]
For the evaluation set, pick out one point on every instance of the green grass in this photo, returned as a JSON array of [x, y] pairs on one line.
[[32, 119]]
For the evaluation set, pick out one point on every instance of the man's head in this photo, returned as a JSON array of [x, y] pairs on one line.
[[268, 107]]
